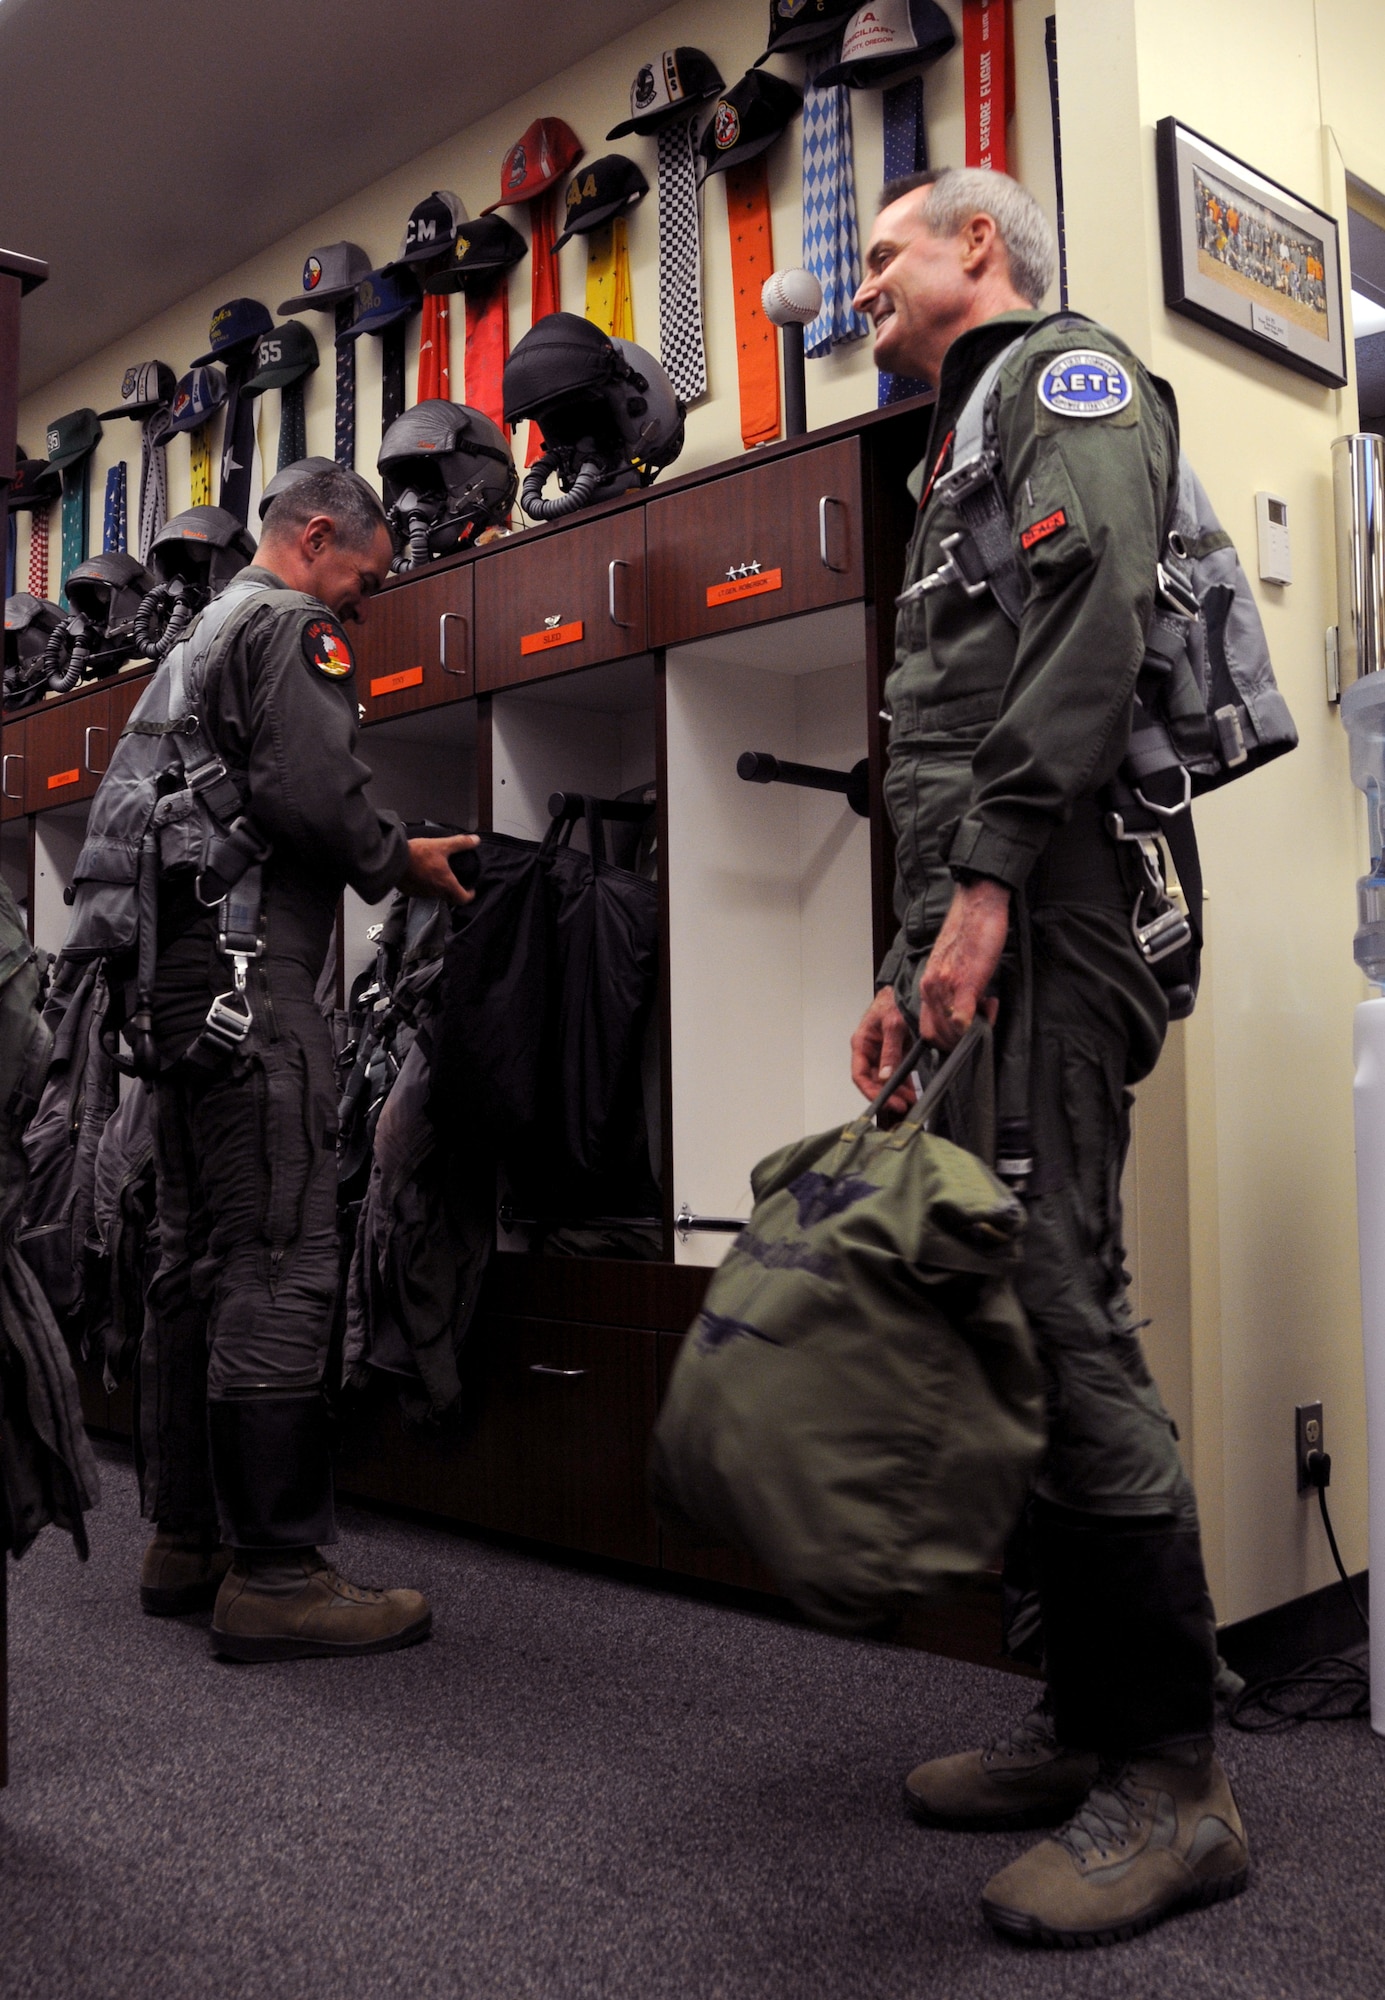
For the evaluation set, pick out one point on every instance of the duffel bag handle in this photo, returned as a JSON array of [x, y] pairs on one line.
[[938, 1082]]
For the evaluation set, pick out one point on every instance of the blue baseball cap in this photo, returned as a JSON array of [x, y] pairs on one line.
[[382, 300], [234, 326], [199, 395]]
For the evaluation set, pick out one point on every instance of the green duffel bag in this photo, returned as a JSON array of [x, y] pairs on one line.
[[858, 1404]]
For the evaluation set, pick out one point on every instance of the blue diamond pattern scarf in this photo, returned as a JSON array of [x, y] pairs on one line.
[[831, 244]]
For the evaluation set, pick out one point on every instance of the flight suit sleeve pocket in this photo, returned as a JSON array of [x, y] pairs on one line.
[[1049, 525]]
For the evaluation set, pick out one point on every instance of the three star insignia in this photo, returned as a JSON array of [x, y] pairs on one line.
[[739, 571]]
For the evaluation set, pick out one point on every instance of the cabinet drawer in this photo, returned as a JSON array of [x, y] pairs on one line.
[[570, 599], [762, 543], [66, 748], [12, 769], [415, 649]]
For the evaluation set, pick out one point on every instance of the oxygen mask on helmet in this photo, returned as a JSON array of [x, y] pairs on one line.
[[193, 557], [98, 635], [447, 475], [30, 623]]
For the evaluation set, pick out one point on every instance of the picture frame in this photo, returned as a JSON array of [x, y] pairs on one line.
[[1248, 257]]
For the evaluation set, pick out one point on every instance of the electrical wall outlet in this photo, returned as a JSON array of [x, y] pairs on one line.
[[1308, 1437]]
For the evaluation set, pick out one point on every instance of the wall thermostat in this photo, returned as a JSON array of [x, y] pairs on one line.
[[1272, 529]]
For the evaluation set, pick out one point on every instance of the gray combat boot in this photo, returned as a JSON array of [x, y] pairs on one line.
[[1024, 1777], [293, 1604], [1159, 1835], [181, 1573]]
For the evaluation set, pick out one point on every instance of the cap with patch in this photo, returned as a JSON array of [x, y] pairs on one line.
[[540, 156], [72, 438], [382, 299], [234, 326], [145, 387], [331, 273], [886, 37], [483, 246], [35, 484], [662, 90], [326, 647], [803, 24], [285, 354], [601, 189], [199, 395], [431, 229], [748, 120]]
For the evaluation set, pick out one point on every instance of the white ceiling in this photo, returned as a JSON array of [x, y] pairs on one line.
[[148, 145]]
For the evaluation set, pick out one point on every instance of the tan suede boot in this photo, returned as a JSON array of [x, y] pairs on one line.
[[181, 1573], [1160, 1835], [292, 1606], [1023, 1778]]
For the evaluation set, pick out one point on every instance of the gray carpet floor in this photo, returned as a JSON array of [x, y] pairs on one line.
[[580, 1786]]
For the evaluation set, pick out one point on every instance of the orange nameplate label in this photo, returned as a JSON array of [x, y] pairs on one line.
[[61, 778], [411, 677], [745, 586], [552, 635]]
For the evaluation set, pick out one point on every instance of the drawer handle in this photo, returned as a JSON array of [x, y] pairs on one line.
[[10, 757], [459, 672], [824, 553], [542, 1368], [94, 729], [625, 624]]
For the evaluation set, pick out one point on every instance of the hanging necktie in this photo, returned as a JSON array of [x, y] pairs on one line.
[[76, 518], [987, 81], [434, 350], [153, 479], [906, 152], [392, 374], [752, 261], [238, 441], [609, 304], [344, 449], [488, 348], [200, 464], [681, 346], [114, 525], [1051, 52], [293, 425], [38, 552], [831, 245], [545, 281]]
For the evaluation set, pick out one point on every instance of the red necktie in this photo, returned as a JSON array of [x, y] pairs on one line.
[[487, 347], [546, 296], [38, 552], [434, 350]]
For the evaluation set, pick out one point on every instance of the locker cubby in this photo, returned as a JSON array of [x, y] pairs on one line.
[[58, 837], [769, 893], [592, 731]]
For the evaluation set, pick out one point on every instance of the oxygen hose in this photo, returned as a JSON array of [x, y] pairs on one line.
[[154, 642], [581, 493], [73, 639]]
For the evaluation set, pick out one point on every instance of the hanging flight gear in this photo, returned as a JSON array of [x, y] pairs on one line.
[[194, 557], [1207, 708], [30, 623], [448, 475], [607, 412], [98, 635]]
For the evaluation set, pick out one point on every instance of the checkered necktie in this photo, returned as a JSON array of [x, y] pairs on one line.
[[831, 246], [153, 479], [113, 527], [906, 152], [345, 447], [680, 263], [38, 552]]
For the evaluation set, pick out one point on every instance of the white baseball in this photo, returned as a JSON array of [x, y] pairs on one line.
[[791, 297]]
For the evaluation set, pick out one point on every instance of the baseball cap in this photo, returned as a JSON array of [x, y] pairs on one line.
[[199, 395], [72, 438], [331, 273], [887, 36], [484, 245], [802, 24], [233, 327], [678, 80], [35, 484], [431, 229], [285, 354], [145, 387], [540, 156], [382, 299], [603, 188], [748, 119]]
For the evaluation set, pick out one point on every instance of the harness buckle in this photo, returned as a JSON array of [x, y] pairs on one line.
[[1176, 595], [949, 571], [229, 1019], [198, 777]]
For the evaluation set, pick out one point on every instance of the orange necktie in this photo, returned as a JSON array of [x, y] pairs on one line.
[[752, 261]]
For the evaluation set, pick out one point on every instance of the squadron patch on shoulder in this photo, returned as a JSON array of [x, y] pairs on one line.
[[1085, 383], [325, 647]]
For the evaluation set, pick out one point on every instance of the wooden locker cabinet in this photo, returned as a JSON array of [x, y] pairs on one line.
[[764, 542], [12, 769], [572, 598], [415, 649], [66, 748]]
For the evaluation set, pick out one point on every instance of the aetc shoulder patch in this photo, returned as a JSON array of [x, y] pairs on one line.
[[325, 647], [1084, 382]]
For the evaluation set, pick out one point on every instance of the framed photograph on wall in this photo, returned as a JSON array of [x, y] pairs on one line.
[[1248, 258]]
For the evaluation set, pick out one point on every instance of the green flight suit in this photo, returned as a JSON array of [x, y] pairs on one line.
[[1000, 742]]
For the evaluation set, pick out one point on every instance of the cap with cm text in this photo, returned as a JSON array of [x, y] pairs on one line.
[[431, 229]]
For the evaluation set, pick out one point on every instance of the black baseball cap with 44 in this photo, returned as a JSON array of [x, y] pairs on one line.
[[748, 119], [603, 188]]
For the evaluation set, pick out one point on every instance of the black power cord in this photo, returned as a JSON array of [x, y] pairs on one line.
[[1335, 1689]]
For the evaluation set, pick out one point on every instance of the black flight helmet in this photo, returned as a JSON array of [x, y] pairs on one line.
[[194, 557], [605, 408], [448, 475], [30, 623], [98, 635]]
